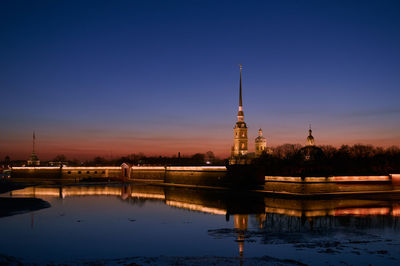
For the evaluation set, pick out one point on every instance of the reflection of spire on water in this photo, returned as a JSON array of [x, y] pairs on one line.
[[261, 219], [269, 218], [220, 203], [241, 223]]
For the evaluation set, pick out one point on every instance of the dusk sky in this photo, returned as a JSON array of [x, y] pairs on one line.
[[111, 78]]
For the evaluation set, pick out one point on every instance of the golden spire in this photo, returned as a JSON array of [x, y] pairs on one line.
[[33, 142], [240, 86]]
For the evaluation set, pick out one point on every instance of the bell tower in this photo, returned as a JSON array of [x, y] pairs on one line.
[[260, 143], [33, 160], [240, 140]]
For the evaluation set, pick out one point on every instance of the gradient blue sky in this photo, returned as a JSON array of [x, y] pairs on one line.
[[118, 77]]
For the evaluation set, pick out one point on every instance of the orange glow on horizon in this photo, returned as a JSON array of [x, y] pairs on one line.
[[110, 146]]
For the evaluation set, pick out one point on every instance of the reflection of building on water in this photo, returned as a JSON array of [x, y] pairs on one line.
[[195, 207], [222, 203], [146, 192], [270, 216], [241, 223], [331, 207]]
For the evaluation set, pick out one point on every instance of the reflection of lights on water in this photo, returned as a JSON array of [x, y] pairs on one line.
[[36, 191], [396, 211], [81, 191], [360, 178], [147, 195], [195, 207], [363, 211], [283, 211], [393, 211], [328, 178], [290, 208]]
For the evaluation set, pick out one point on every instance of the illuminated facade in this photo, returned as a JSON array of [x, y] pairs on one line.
[[260, 143], [240, 142]]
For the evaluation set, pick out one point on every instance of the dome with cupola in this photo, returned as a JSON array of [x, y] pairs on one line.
[[260, 143], [310, 138], [310, 152]]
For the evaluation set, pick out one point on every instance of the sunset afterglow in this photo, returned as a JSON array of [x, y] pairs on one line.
[[160, 77]]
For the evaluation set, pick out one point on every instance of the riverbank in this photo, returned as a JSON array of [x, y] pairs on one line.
[[13, 206]]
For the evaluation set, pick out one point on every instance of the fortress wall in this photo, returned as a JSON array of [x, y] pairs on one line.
[[36, 172], [148, 174], [66, 172], [333, 179], [194, 175], [91, 172], [204, 178]]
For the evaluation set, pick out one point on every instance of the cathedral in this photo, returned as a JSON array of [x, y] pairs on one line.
[[239, 152]]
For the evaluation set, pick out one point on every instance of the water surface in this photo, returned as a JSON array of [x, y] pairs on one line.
[[120, 221]]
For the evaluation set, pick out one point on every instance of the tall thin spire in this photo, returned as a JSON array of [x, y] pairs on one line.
[[240, 86], [240, 138], [240, 115], [33, 142], [33, 160]]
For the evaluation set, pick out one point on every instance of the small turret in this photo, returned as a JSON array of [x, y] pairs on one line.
[[260, 143], [310, 138]]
